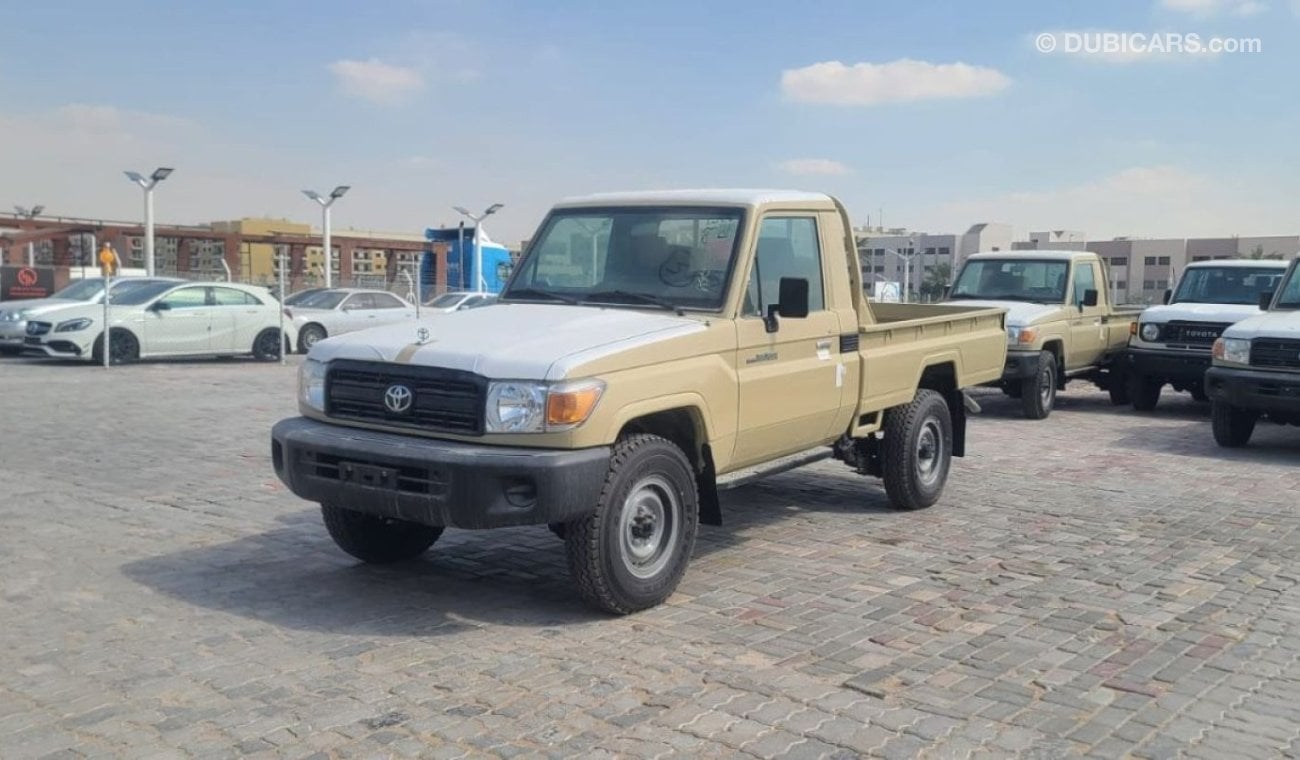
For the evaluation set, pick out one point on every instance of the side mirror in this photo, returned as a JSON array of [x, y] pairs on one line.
[[1169, 296], [161, 306], [1265, 299], [1089, 298], [792, 303]]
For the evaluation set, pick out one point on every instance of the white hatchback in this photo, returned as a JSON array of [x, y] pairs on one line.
[[343, 310], [167, 319]]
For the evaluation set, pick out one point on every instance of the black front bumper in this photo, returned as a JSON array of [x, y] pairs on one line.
[[1253, 389], [1020, 366], [443, 483], [1175, 367]]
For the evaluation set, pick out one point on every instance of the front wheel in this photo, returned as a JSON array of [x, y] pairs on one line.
[[1038, 393], [631, 553], [917, 451], [123, 347], [268, 345], [1145, 393], [1232, 426], [377, 540]]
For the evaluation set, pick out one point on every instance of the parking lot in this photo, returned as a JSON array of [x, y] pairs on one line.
[[1101, 582]]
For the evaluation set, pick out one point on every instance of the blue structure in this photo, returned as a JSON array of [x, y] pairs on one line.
[[460, 262]]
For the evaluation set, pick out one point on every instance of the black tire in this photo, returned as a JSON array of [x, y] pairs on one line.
[[1199, 394], [268, 345], [1038, 393], [309, 335], [123, 347], [1012, 390], [917, 450], [377, 540], [630, 553], [1145, 393], [558, 529], [1117, 387], [1232, 426]]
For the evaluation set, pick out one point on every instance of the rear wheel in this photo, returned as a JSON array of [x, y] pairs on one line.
[[917, 451], [630, 553], [1038, 393], [268, 345], [1232, 426], [123, 347], [1145, 393], [377, 540], [310, 336]]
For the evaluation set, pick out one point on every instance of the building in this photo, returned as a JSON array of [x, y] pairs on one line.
[[883, 251], [1142, 269], [1056, 240]]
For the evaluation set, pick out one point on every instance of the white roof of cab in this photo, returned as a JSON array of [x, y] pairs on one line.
[[721, 197], [1278, 264], [1031, 255]]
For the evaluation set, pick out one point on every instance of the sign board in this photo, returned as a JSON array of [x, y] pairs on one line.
[[887, 292], [18, 282]]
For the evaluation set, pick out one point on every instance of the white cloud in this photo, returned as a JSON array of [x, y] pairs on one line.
[[1141, 201], [904, 80], [814, 166], [1207, 8], [376, 81]]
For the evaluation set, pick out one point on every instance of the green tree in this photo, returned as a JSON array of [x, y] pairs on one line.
[[1258, 253], [938, 278]]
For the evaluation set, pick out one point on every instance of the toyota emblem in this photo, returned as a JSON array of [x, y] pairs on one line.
[[398, 398], [422, 335]]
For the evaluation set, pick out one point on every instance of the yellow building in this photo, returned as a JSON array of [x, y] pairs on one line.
[[258, 260]]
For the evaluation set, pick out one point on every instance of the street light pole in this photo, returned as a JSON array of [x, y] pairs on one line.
[[327, 247], [30, 215], [148, 184], [480, 281]]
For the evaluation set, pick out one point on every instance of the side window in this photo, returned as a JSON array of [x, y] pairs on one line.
[[1083, 280], [385, 301], [357, 301], [232, 297], [186, 298], [787, 247]]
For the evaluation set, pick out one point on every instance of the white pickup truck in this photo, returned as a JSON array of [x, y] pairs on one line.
[[1171, 345], [1256, 371]]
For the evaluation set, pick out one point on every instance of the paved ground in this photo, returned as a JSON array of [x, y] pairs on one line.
[[1099, 583]]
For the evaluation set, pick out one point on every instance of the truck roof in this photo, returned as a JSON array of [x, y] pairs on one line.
[[705, 197], [1278, 264], [1048, 255]]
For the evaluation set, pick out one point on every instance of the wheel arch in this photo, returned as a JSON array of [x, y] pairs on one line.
[[941, 377], [686, 426]]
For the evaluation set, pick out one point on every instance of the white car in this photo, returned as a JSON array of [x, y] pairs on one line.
[[167, 319], [344, 310], [449, 302], [14, 314]]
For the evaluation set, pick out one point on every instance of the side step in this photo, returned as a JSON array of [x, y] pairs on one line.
[[774, 467]]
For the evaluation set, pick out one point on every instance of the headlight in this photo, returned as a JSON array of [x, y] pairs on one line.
[[524, 407], [13, 316], [311, 384], [1150, 332], [1024, 336], [73, 325], [1232, 350]]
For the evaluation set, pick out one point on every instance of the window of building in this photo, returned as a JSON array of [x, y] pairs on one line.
[[1150, 261], [929, 251], [1121, 285], [1163, 261], [1200, 258], [945, 251], [1119, 261]]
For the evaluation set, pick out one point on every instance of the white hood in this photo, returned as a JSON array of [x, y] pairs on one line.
[[36, 306], [1273, 324], [1019, 313], [1199, 312], [513, 341]]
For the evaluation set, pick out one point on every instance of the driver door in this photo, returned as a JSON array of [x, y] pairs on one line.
[[1087, 326], [179, 323]]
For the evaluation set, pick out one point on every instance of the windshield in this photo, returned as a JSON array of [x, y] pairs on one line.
[[674, 257], [82, 290], [137, 294], [1290, 296], [1227, 285], [326, 299], [446, 299], [1013, 280]]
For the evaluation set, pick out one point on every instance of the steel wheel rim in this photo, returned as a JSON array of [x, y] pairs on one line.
[[929, 451], [1049, 386], [648, 526]]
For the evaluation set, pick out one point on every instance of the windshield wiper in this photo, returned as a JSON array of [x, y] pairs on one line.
[[539, 293], [645, 298]]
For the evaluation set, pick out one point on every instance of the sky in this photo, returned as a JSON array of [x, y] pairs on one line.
[[934, 115]]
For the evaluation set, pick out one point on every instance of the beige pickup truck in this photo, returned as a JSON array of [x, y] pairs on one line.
[[650, 350], [1061, 324]]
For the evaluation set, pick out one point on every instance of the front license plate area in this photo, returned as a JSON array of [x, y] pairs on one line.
[[368, 475]]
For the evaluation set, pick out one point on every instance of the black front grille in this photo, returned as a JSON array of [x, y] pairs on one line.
[[1200, 334], [1275, 352], [38, 328], [443, 400]]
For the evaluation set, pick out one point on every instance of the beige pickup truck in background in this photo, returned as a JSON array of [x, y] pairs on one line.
[[649, 350], [1061, 324]]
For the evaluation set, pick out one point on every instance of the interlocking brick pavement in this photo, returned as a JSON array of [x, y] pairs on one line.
[[1098, 584]]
